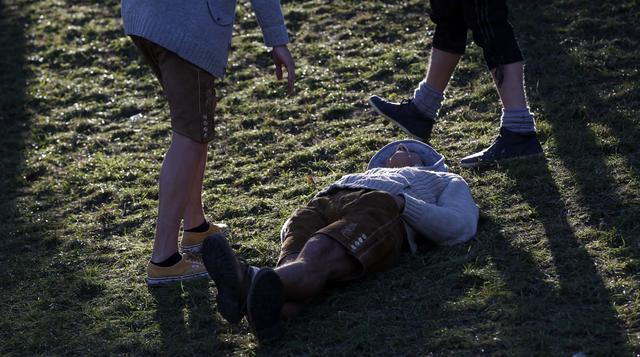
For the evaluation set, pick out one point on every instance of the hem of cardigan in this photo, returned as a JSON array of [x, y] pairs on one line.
[[177, 42]]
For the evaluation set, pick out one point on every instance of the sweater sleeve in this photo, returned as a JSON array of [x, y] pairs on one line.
[[271, 21], [453, 219]]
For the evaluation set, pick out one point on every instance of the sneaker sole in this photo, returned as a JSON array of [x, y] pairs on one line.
[[266, 295], [218, 258], [197, 248], [165, 281], [489, 162], [394, 121]]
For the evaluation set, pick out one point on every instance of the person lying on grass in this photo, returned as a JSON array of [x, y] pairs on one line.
[[358, 225]]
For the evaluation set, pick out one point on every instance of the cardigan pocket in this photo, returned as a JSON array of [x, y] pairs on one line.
[[223, 12]]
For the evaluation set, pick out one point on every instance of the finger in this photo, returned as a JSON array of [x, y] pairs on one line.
[[291, 77]]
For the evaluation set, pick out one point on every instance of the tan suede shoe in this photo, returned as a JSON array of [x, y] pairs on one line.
[[192, 241], [189, 267]]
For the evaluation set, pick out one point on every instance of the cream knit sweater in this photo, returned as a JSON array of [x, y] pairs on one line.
[[438, 205]]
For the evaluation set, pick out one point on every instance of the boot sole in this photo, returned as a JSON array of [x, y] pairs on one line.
[[490, 162], [176, 279], [220, 261], [405, 130], [264, 304]]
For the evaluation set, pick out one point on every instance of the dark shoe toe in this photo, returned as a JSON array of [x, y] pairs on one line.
[[472, 160], [406, 116], [222, 266], [508, 145], [264, 304]]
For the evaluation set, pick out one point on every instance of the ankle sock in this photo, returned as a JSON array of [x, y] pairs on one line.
[[199, 229], [427, 99], [518, 120], [176, 257]]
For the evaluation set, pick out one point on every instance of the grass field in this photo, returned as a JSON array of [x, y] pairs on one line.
[[555, 266]]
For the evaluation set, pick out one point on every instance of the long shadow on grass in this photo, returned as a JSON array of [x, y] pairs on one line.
[[48, 288], [36, 287], [581, 317], [186, 319], [14, 122], [595, 136], [15, 232], [572, 96]]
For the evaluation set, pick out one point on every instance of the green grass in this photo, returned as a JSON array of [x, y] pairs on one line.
[[553, 270]]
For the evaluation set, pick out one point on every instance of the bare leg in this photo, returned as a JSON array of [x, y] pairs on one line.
[[322, 260], [511, 89], [441, 67], [194, 213], [291, 308], [178, 175]]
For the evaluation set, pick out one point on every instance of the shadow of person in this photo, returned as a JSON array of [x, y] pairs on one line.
[[14, 123], [581, 311], [186, 318], [581, 85], [170, 314], [29, 239]]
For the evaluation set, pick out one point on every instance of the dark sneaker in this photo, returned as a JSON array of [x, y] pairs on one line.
[[264, 304], [232, 277], [508, 145], [405, 115]]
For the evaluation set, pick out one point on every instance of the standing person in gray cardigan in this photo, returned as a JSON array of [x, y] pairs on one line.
[[359, 224], [186, 43]]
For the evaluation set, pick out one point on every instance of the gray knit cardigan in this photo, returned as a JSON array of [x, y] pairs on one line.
[[199, 30]]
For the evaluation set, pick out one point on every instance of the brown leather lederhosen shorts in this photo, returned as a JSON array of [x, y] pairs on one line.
[[365, 222], [189, 90]]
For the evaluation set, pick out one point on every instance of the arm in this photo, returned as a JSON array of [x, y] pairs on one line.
[[274, 32], [453, 219], [271, 21]]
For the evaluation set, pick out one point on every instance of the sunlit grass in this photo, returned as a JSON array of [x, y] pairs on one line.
[[554, 267]]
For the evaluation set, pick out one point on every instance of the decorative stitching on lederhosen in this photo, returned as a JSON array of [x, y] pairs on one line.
[[206, 105]]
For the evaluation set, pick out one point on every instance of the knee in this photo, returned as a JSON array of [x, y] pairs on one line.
[[188, 145], [325, 257], [321, 248]]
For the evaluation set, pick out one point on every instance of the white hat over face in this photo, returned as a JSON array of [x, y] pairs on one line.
[[432, 159]]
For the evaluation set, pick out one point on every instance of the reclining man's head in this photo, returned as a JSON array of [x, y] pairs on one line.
[[403, 157]]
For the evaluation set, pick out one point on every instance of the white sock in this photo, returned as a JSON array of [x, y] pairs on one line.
[[427, 100], [518, 120]]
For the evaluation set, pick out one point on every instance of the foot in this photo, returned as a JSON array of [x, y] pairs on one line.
[[405, 115], [189, 267], [508, 145], [231, 277], [192, 241], [264, 304]]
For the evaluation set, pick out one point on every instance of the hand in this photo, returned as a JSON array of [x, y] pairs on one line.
[[282, 56]]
